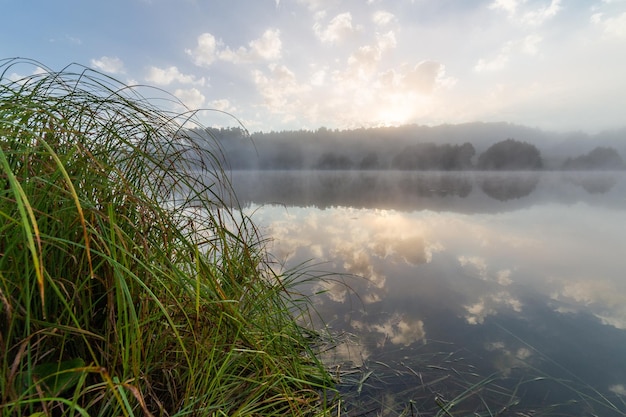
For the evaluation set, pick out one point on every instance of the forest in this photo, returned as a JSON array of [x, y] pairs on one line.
[[471, 146]]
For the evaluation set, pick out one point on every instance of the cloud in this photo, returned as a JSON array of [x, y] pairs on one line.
[[192, 98], [112, 65], [602, 297], [508, 358], [166, 76], [278, 87], [363, 63], [477, 266], [509, 6], [266, 48], [532, 17], [539, 16], [204, 54], [489, 305], [424, 77], [410, 248], [618, 389], [21, 79], [613, 27], [526, 46], [317, 4], [383, 18], [401, 331], [339, 29], [223, 105]]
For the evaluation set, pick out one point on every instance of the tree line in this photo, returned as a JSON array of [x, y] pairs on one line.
[[371, 149]]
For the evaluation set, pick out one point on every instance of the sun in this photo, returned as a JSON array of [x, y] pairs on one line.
[[395, 109]]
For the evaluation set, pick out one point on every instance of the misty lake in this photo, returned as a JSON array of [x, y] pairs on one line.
[[464, 293]]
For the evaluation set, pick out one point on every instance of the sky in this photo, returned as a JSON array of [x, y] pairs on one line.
[[558, 65]]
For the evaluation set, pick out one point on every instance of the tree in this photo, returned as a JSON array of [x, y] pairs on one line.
[[331, 161], [429, 156], [598, 158], [510, 154], [369, 161]]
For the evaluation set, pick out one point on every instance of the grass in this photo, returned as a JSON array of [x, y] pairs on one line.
[[424, 382], [127, 287]]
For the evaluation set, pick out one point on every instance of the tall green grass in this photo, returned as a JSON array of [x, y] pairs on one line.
[[127, 286]]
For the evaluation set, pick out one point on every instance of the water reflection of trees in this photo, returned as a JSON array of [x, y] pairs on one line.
[[436, 185], [433, 190], [593, 184], [508, 187]]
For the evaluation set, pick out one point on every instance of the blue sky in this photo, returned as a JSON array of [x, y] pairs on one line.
[[302, 64]]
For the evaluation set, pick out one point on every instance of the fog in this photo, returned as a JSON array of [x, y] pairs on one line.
[[413, 147]]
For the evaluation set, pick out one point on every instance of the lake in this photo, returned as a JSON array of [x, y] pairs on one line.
[[460, 293]]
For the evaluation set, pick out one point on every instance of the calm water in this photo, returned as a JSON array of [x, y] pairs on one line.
[[500, 294]]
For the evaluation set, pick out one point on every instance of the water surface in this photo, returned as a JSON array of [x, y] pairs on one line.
[[485, 293]]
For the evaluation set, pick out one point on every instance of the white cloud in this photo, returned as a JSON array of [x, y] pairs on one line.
[[267, 48], [204, 53], [618, 389], [363, 63], [319, 77], [613, 27], [542, 14], [475, 264], [528, 46], [340, 28], [112, 65], [192, 98], [19, 78], [401, 331], [509, 6], [223, 105], [386, 41], [533, 17], [489, 305], [425, 77], [495, 64], [382, 18], [166, 76], [278, 87]]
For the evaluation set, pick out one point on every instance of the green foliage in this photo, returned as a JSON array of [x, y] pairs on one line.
[[331, 161], [127, 286], [512, 155], [599, 158], [430, 156]]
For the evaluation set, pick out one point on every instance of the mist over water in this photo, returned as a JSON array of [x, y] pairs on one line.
[[519, 275]]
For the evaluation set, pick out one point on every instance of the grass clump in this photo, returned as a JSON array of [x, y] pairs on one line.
[[127, 287]]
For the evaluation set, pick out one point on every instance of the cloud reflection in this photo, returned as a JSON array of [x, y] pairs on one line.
[[539, 249], [362, 243], [491, 284], [489, 305]]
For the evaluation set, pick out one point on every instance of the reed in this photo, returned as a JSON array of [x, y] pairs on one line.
[[129, 283]]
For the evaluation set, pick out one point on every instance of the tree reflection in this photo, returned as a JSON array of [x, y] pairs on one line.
[[594, 184], [467, 192], [509, 187]]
